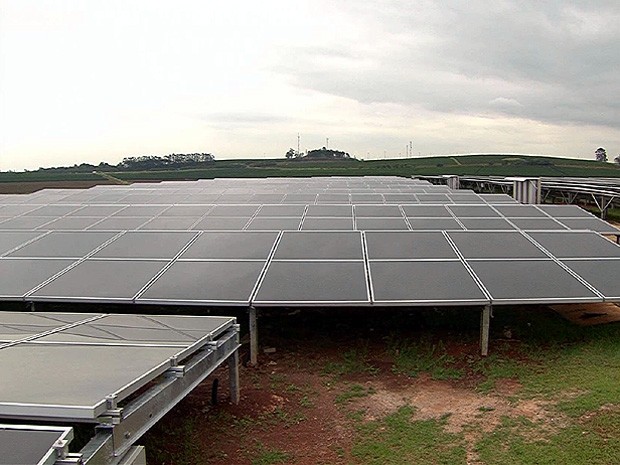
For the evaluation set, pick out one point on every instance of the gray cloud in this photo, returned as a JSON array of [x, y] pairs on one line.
[[549, 61]]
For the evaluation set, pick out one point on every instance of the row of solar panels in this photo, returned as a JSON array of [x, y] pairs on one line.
[[115, 355], [306, 197], [295, 217], [312, 268]]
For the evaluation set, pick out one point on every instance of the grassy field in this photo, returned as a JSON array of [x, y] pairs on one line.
[[500, 165]]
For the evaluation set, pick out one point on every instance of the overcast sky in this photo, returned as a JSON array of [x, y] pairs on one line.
[[87, 81]]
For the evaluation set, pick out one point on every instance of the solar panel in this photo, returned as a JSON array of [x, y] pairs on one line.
[[576, 244], [70, 223], [434, 224], [408, 246], [139, 210], [319, 246], [52, 210], [309, 283], [170, 223], [281, 210], [118, 223], [327, 224], [329, 211], [96, 211], [187, 210], [400, 198], [520, 211], [593, 224], [60, 244], [36, 389], [233, 210], [536, 223], [426, 211], [565, 211], [433, 198], [423, 282], [222, 223], [10, 239], [523, 281], [378, 211], [231, 245], [367, 224], [101, 280], [333, 198], [26, 222], [205, 282], [29, 445], [479, 211], [488, 244], [271, 224], [142, 244], [602, 274], [485, 224], [21, 275]]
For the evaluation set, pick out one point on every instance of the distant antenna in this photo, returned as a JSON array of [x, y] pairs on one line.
[[298, 138], [411, 148], [327, 142]]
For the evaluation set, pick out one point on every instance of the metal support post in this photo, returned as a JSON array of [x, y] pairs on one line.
[[485, 324], [233, 376], [253, 337]]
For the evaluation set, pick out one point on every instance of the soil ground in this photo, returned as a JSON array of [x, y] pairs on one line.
[[304, 402]]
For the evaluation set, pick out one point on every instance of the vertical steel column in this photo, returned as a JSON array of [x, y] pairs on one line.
[[485, 324], [253, 337], [233, 377]]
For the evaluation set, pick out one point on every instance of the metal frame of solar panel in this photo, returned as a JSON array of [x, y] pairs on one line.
[[35, 445], [132, 370]]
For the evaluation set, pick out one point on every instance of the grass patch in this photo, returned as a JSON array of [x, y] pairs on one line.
[[424, 356], [595, 441], [355, 391], [266, 456], [397, 440], [354, 361]]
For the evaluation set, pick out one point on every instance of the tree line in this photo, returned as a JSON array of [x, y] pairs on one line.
[[143, 163]]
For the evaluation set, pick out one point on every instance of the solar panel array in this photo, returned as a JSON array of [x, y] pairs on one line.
[[316, 241], [113, 354]]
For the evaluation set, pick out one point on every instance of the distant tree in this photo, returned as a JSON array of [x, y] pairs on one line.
[[291, 154], [617, 160], [600, 154], [330, 154]]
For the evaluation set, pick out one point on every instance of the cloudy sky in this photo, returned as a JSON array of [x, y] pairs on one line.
[[86, 81]]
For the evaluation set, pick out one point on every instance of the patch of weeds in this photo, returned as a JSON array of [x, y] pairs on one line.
[[292, 388], [413, 358], [398, 440], [267, 456], [276, 380], [594, 441], [355, 391], [495, 367], [306, 402], [287, 418], [356, 415], [353, 361]]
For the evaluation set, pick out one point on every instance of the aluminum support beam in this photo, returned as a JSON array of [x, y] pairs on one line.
[[485, 324], [253, 336]]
